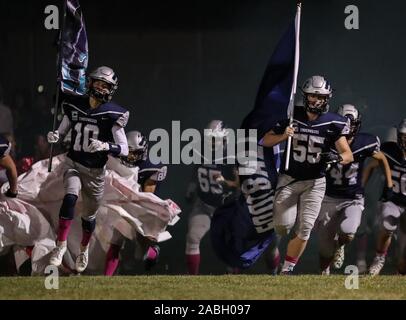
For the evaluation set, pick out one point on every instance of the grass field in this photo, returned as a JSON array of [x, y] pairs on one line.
[[229, 287]]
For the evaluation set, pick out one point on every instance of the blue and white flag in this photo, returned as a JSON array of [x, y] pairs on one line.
[[73, 50], [241, 231]]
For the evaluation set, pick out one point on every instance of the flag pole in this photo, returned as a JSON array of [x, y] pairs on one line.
[[58, 84], [295, 72]]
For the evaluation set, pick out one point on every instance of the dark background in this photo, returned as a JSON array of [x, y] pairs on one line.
[[198, 60]]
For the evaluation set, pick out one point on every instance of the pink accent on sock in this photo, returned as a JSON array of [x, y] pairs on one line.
[[381, 253], [151, 253], [193, 263], [86, 235], [112, 260], [63, 229], [291, 259]]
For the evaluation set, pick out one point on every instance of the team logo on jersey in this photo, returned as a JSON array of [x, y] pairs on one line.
[[74, 116]]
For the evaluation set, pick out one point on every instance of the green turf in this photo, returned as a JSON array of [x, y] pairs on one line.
[[231, 287]]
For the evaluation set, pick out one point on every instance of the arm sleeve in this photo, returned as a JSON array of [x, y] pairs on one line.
[[120, 145], [64, 126], [123, 119]]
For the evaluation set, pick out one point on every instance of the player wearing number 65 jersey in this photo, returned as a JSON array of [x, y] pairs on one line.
[[301, 188], [342, 207], [393, 199], [216, 184], [97, 126]]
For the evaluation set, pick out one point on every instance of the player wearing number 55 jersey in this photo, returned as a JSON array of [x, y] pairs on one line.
[[301, 188], [342, 207], [393, 200], [97, 126], [216, 183]]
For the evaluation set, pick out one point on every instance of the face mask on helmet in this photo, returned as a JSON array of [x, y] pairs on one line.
[[102, 84], [100, 90], [137, 149], [355, 125], [134, 156], [315, 103], [316, 94]]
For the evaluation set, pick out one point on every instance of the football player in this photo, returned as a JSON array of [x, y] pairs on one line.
[[342, 207], [97, 126], [7, 162], [393, 199], [216, 184], [301, 188], [149, 177]]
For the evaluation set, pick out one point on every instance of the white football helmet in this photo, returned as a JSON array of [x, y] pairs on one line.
[[317, 92], [137, 148], [349, 111], [107, 75]]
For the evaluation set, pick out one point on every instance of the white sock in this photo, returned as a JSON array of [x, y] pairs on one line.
[[288, 266], [62, 243]]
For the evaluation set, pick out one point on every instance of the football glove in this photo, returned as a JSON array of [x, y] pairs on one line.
[[330, 158], [387, 194], [10, 194], [53, 136], [97, 145]]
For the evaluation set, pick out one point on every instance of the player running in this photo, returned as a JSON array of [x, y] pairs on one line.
[[216, 184], [149, 178], [342, 207], [97, 126], [301, 188], [393, 199]]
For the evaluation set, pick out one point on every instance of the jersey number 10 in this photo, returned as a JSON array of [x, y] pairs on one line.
[[83, 135]]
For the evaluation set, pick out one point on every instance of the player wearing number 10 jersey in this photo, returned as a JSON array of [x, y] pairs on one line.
[[342, 207], [97, 126], [300, 189]]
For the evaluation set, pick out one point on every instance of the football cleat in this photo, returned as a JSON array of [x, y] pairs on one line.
[[82, 260], [57, 255], [377, 265], [338, 259]]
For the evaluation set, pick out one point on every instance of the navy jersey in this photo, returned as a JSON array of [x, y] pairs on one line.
[[89, 123], [147, 170], [209, 190], [345, 181], [310, 139], [5, 146], [397, 163]]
